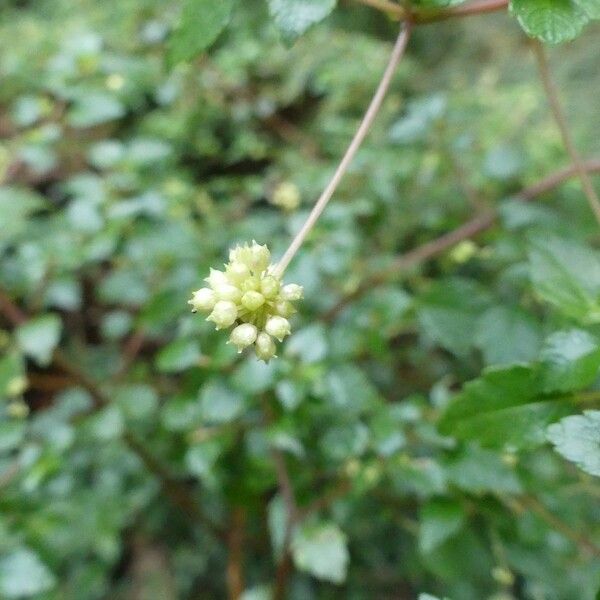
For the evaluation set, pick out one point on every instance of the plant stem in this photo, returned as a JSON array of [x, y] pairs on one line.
[[359, 136], [470, 229], [561, 121]]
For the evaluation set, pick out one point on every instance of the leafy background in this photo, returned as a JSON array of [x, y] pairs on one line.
[[436, 420]]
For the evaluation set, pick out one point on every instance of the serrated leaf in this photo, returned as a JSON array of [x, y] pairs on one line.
[[39, 337], [577, 438], [320, 549], [570, 360], [552, 21], [294, 17], [567, 275], [503, 407], [202, 21]]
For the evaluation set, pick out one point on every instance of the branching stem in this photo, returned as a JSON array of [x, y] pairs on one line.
[[561, 121], [359, 136]]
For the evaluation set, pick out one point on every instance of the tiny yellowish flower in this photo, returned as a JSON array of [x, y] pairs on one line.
[[249, 295], [224, 314], [243, 336], [278, 327], [286, 195], [204, 299], [265, 347]]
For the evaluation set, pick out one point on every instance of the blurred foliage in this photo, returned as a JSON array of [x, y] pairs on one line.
[[438, 430]]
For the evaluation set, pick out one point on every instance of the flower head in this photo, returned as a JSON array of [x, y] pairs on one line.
[[249, 295]]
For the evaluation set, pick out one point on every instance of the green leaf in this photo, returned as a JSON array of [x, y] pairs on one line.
[[320, 549], [479, 470], [178, 356], [577, 438], [551, 21], [590, 7], [219, 403], [567, 275], [23, 574], [95, 108], [16, 205], [449, 313], [39, 337], [202, 21], [503, 407], [12, 375], [440, 519], [294, 17], [570, 360], [201, 457], [506, 335]]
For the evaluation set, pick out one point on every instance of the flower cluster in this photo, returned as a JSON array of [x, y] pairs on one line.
[[249, 296]]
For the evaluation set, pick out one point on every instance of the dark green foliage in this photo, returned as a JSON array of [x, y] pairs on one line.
[[438, 427]]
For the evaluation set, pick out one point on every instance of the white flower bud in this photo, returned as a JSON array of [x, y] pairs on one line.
[[237, 272], [278, 327], [228, 291], [284, 308], [292, 292], [216, 278], [261, 257], [224, 314], [243, 336], [265, 347], [252, 284], [253, 300], [269, 286], [203, 299]]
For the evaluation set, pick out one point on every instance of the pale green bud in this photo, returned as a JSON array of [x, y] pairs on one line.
[[237, 272], [203, 299], [278, 327], [269, 286], [261, 257], [224, 314], [228, 291], [243, 336], [284, 308], [265, 347], [253, 300], [216, 278], [252, 284], [292, 292]]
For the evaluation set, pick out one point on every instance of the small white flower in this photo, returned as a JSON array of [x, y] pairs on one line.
[[269, 286], [216, 278], [203, 299], [250, 297], [286, 195], [278, 327], [292, 292], [237, 272], [224, 314], [284, 308], [227, 291], [265, 347], [253, 300], [243, 336]]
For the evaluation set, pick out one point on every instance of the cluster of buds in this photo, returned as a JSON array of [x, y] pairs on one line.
[[249, 296]]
